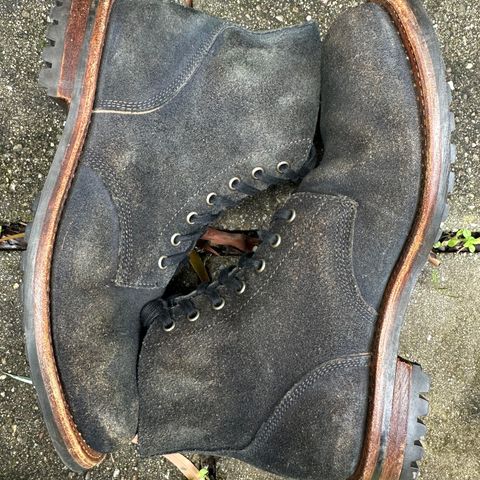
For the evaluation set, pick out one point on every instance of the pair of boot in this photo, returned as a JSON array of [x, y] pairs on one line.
[[289, 360]]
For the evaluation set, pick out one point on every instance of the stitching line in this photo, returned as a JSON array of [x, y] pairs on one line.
[[176, 85], [124, 214], [361, 306], [416, 70], [294, 394], [70, 420]]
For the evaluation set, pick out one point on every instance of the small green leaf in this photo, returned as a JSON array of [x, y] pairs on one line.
[[203, 474], [453, 242], [466, 233], [476, 241], [438, 245], [471, 248]]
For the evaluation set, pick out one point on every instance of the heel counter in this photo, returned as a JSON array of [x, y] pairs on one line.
[[317, 429]]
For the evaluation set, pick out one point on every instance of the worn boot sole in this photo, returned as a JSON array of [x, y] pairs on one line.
[[72, 62], [392, 446], [61, 57]]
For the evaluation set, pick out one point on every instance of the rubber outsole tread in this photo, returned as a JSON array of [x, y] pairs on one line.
[[52, 54], [417, 430]]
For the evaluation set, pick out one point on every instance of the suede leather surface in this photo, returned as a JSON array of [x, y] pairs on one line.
[[95, 326], [214, 384], [229, 109], [279, 377], [185, 102], [326, 413], [370, 126]]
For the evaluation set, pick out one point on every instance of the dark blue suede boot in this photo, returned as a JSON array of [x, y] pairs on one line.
[[174, 116], [290, 360]]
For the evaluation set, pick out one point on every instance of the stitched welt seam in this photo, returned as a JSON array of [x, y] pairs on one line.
[[297, 391]]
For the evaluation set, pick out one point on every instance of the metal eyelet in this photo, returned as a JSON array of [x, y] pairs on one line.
[[282, 166], [256, 171], [276, 241], [211, 198], [169, 328], [262, 266], [242, 288], [190, 218], [161, 262], [233, 181], [220, 305], [174, 240], [194, 316], [293, 215]]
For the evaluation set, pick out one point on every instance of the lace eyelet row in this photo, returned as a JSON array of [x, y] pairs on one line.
[[220, 304], [233, 181], [161, 263], [170, 327], [281, 167], [277, 240], [194, 316], [210, 200], [262, 266], [256, 171], [190, 218], [174, 240], [293, 216], [242, 289]]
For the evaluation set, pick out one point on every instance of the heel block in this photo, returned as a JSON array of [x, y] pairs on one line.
[[64, 39], [404, 447], [416, 430]]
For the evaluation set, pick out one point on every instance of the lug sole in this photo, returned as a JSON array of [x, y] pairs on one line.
[[382, 459], [407, 430], [65, 36], [84, 64]]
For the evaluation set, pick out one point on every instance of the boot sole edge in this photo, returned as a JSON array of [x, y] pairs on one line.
[[67, 439], [421, 44]]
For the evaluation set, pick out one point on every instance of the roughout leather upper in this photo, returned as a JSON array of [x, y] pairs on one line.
[[372, 133], [185, 102], [280, 376], [216, 385]]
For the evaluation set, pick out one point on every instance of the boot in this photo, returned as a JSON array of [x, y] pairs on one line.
[[173, 117], [290, 360]]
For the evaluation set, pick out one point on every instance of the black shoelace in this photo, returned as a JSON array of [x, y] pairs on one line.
[[220, 203], [229, 278]]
